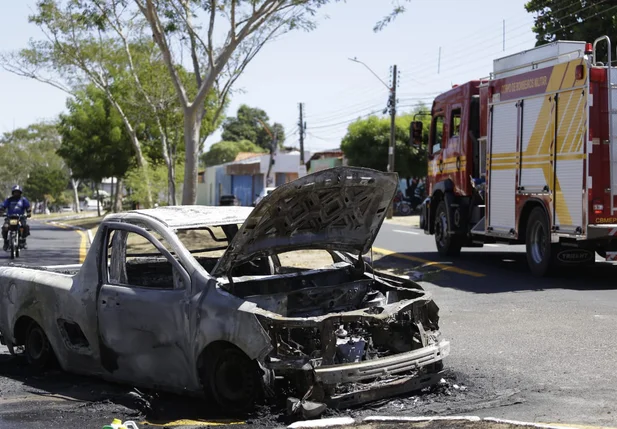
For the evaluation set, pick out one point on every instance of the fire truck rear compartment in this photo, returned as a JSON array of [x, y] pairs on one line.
[[546, 145]]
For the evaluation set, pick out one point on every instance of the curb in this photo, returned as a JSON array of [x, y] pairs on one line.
[[348, 421]]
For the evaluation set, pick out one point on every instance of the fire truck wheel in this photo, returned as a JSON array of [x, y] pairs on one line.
[[447, 245], [538, 243]]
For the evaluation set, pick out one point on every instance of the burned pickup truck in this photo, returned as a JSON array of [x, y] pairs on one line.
[[201, 300]]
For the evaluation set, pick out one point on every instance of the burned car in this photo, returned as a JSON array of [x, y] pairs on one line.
[[199, 300]]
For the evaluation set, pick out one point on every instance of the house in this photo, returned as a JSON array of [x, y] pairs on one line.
[[325, 159], [245, 177]]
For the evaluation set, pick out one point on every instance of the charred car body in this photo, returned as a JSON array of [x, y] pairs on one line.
[[234, 326]]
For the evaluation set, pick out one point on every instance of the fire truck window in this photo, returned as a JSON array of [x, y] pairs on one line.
[[437, 142], [455, 123]]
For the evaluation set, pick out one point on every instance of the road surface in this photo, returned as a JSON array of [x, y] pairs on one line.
[[48, 245], [545, 348], [522, 348]]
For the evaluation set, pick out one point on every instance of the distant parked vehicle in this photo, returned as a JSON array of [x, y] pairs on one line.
[[263, 193], [229, 200]]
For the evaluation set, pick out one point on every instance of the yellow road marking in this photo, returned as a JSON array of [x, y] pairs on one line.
[[444, 267], [188, 422], [83, 246]]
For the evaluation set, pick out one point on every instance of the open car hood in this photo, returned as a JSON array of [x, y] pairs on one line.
[[337, 209]]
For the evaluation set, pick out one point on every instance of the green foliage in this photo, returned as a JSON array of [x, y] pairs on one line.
[[26, 150], [397, 9], [46, 184], [367, 141], [95, 143], [583, 20], [227, 151], [158, 89], [247, 125], [136, 185]]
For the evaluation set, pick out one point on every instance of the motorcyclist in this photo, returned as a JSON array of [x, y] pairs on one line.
[[18, 205]]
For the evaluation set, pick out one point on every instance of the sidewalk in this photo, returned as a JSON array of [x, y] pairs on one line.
[[410, 221]]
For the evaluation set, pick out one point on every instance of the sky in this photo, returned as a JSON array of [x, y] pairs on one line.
[[314, 67]]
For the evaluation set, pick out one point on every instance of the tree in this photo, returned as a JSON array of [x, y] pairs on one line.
[[26, 150], [95, 144], [247, 26], [83, 37], [584, 20], [248, 124], [76, 52], [366, 145], [46, 184], [397, 9], [226, 151], [103, 43], [158, 185]]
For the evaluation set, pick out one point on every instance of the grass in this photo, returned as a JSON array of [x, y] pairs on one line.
[[60, 215], [86, 222]]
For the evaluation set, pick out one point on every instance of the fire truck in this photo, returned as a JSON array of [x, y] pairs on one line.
[[527, 156]]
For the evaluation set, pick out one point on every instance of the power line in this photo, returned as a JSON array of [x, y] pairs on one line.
[[462, 54]]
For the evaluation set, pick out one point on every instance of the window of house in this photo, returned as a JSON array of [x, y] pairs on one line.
[[437, 143], [134, 261], [455, 122]]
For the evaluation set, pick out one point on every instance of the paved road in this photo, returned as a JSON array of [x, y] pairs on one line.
[[23, 397], [551, 340], [48, 245]]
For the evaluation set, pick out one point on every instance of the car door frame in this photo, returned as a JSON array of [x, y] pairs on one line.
[[182, 287]]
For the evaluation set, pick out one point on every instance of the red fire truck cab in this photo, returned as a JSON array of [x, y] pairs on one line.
[[527, 156]]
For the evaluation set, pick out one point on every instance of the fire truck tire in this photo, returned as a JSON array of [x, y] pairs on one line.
[[447, 245], [540, 250]]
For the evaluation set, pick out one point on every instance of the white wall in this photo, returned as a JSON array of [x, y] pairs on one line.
[[206, 192], [283, 162]]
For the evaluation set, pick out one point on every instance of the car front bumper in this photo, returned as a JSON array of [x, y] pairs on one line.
[[382, 378], [391, 365]]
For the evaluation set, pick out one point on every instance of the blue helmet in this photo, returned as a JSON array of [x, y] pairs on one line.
[[16, 188]]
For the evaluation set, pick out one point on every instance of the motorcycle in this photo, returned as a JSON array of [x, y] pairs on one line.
[[402, 208], [15, 235]]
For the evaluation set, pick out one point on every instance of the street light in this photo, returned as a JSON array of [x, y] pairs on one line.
[[392, 107], [355, 60]]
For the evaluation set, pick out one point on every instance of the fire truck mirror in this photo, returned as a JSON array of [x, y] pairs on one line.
[[415, 130]]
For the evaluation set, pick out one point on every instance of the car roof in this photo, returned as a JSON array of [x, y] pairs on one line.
[[184, 217]]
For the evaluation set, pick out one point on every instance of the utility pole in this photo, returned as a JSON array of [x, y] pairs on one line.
[[301, 127], [273, 149], [504, 35], [392, 107]]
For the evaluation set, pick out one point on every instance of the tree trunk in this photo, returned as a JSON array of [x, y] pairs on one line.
[[143, 164], [141, 160], [111, 197], [192, 122], [75, 185], [171, 188], [98, 201], [117, 203]]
